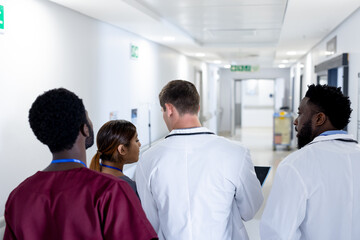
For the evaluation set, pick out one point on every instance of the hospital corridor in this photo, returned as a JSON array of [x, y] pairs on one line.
[[191, 119]]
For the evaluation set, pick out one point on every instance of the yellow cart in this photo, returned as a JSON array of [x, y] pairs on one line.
[[283, 122]]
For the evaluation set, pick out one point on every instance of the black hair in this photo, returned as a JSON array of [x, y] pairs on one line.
[[182, 94], [332, 102], [56, 117]]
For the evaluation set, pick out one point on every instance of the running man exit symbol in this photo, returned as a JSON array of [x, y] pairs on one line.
[[1, 17], [134, 51]]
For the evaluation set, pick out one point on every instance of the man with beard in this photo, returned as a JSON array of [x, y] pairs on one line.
[[67, 200], [316, 191]]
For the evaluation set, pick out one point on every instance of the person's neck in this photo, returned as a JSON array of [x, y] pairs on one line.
[[326, 127], [76, 152], [187, 121], [112, 171]]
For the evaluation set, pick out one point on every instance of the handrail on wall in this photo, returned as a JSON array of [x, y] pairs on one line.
[[2, 222], [2, 227]]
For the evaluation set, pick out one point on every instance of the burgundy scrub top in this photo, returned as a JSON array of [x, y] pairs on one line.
[[75, 204]]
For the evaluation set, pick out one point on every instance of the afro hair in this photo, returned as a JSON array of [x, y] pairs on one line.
[[56, 118]]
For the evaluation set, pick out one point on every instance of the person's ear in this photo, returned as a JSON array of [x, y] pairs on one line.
[[320, 119], [85, 131], [169, 109], [122, 149]]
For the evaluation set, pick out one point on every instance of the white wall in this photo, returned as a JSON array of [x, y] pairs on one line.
[[47, 46], [348, 39], [296, 72], [226, 90], [210, 96], [279, 98]]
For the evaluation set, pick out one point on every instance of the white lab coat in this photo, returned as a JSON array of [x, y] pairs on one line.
[[316, 193], [198, 186]]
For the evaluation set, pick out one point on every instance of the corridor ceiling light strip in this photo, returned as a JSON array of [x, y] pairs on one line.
[[200, 54], [169, 38], [291, 53]]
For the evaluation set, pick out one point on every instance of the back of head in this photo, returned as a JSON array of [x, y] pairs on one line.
[[56, 118], [182, 94], [332, 102], [110, 136]]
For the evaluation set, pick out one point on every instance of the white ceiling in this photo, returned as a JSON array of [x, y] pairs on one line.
[[253, 32]]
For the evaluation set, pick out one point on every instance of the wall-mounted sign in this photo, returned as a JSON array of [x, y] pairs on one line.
[[113, 115], [244, 68], [331, 46], [134, 51], [1, 17], [134, 116]]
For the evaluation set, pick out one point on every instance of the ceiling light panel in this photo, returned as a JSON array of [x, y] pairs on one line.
[[239, 36], [222, 21]]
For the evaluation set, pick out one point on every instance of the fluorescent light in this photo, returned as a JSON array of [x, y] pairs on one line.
[[282, 66], [285, 61], [169, 38], [200, 54], [217, 62], [291, 53]]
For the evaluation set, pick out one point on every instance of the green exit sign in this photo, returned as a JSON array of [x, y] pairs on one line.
[[244, 68], [1, 17], [134, 51]]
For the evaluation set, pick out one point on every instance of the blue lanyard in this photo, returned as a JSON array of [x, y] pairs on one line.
[[103, 165], [68, 160]]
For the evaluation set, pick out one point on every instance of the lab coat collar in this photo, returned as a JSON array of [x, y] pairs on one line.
[[189, 131], [341, 137]]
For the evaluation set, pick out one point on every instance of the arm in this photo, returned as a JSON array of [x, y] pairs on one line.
[[248, 195], [123, 216], [286, 207], [147, 200], [9, 234]]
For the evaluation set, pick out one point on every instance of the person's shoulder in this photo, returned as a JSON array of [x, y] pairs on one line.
[[102, 177], [155, 150], [127, 179], [298, 157], [92, 180], [226, 143], [106, 183], [24, 184]]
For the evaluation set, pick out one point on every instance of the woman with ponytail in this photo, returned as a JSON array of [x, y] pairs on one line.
[[118, 144]]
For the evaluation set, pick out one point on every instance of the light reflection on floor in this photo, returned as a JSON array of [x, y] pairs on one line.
[[260, 143]]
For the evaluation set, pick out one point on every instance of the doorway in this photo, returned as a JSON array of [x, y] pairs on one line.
[[253, 103]]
